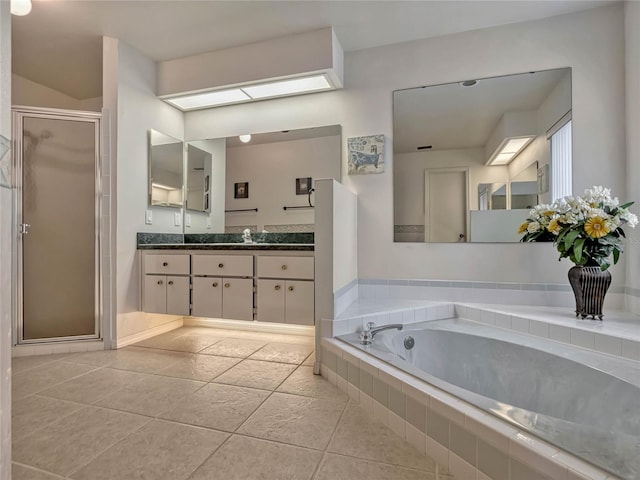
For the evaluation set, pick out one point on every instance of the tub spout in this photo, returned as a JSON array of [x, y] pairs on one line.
[[366, 337]]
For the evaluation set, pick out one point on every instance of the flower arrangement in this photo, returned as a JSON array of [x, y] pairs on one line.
[[586, 229]]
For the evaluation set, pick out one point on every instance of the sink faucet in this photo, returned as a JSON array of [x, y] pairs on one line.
[[366, 337], [246, 236]]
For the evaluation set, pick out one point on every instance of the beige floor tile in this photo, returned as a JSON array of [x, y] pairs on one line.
[[200, 367], [296, 420], [359, 435], [242, 458], [310, 360], [256, 374], [71, 442], [223, 407], [20, 364], [138, 359], [20, 472], [152, 395], [183, 343], [283, 353], [93, 386], [37, 379], [234, 347], [159, 450], [337, 467], [33, 412], [99, 358], [304, 382]]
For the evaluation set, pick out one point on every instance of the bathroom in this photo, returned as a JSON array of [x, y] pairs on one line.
[[604, 69]]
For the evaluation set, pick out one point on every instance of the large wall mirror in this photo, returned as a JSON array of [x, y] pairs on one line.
[[165, 170], [471, 158], [260, 181]]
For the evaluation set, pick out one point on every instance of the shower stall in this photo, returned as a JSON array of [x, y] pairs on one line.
[[58, 218]]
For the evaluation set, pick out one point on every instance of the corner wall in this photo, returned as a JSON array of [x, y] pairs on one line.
[[6, 237], [632, 245], [138, 110], [364, 107]]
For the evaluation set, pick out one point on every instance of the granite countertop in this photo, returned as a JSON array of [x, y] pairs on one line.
[[226, 241], [299, 247]]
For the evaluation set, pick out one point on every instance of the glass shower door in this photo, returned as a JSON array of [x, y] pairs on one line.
[[59, 226]]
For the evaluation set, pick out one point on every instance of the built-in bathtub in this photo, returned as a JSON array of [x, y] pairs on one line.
[[582, 401]]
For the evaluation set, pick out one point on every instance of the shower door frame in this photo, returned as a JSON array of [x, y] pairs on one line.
[[18, 115]]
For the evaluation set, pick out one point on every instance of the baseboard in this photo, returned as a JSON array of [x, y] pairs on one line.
[[151, 332], [253, 326], [74, 346]]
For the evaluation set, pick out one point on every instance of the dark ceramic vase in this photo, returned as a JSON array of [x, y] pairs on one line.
[[590, 285]]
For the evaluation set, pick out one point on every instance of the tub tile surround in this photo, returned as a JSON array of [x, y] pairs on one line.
[[466, 441]]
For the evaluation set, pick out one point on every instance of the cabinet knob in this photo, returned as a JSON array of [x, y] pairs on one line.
[[221, 265], [165, 264], [284, 267], [159, 282], [170, 282], [214, 284], [291, 288], [277, 287], [227, 285]]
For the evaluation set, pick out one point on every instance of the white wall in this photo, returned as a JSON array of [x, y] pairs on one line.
[[6, 290], [271, 170], [364, 107], [632, 245], [29, 93], [138, 110]]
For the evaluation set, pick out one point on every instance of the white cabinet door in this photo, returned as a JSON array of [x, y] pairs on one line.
[[237, 298], [177, 295], [271, 300], [299, 302], [155, 294], [207, 297]]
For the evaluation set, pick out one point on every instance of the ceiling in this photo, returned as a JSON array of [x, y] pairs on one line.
[[452, 116], [59, 43], [286, 136]]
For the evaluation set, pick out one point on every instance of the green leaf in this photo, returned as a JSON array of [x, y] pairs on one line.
[[616, 255], [577, 249], [570, 238], [626, 205]]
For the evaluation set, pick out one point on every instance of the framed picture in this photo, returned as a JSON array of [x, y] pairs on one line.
[[303, 185], [366, 154], [241, 190]]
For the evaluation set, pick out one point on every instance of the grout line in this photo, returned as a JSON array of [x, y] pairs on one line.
[[36, 469]]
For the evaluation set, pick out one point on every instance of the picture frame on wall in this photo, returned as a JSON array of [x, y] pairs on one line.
[[303, 185], [241, 190], [366, 154]]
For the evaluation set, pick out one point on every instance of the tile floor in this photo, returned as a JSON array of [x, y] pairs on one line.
[[198, 403]]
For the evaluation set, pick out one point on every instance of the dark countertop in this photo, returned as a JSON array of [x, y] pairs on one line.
[[299, 247]]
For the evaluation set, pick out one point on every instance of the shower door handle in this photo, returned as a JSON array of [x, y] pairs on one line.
[[24, 228]]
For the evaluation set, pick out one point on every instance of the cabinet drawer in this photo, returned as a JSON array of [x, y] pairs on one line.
[[285, 267], [166, 264], [227, 265]]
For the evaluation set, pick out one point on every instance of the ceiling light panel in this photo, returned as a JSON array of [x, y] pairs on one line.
[[515, 144], [209, 99], [288, 87]]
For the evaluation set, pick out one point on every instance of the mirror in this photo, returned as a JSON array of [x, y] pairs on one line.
[[251, 183], [165, 170], [470, 158]]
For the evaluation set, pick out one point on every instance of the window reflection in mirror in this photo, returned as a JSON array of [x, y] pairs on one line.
[[165, 170], [499, 131]]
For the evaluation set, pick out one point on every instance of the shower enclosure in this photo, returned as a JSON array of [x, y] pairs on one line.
[[57, 179]]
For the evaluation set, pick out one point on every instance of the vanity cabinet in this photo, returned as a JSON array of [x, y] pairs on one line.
[[264, 286], [222, 286], [166, 284], [285, 290]]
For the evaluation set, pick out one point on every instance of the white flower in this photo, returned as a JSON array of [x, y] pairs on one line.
[[533, 227], [630, 218]]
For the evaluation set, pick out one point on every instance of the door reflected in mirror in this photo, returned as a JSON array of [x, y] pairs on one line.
[[468, 156], [165, 170]]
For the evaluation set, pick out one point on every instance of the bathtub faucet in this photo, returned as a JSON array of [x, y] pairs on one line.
[[366, 337]]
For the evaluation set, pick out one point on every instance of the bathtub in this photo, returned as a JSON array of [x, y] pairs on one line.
[[582, 401]]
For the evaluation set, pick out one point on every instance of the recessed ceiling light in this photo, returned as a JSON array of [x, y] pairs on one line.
[[469, 83], [20, 7], [245, 138]]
